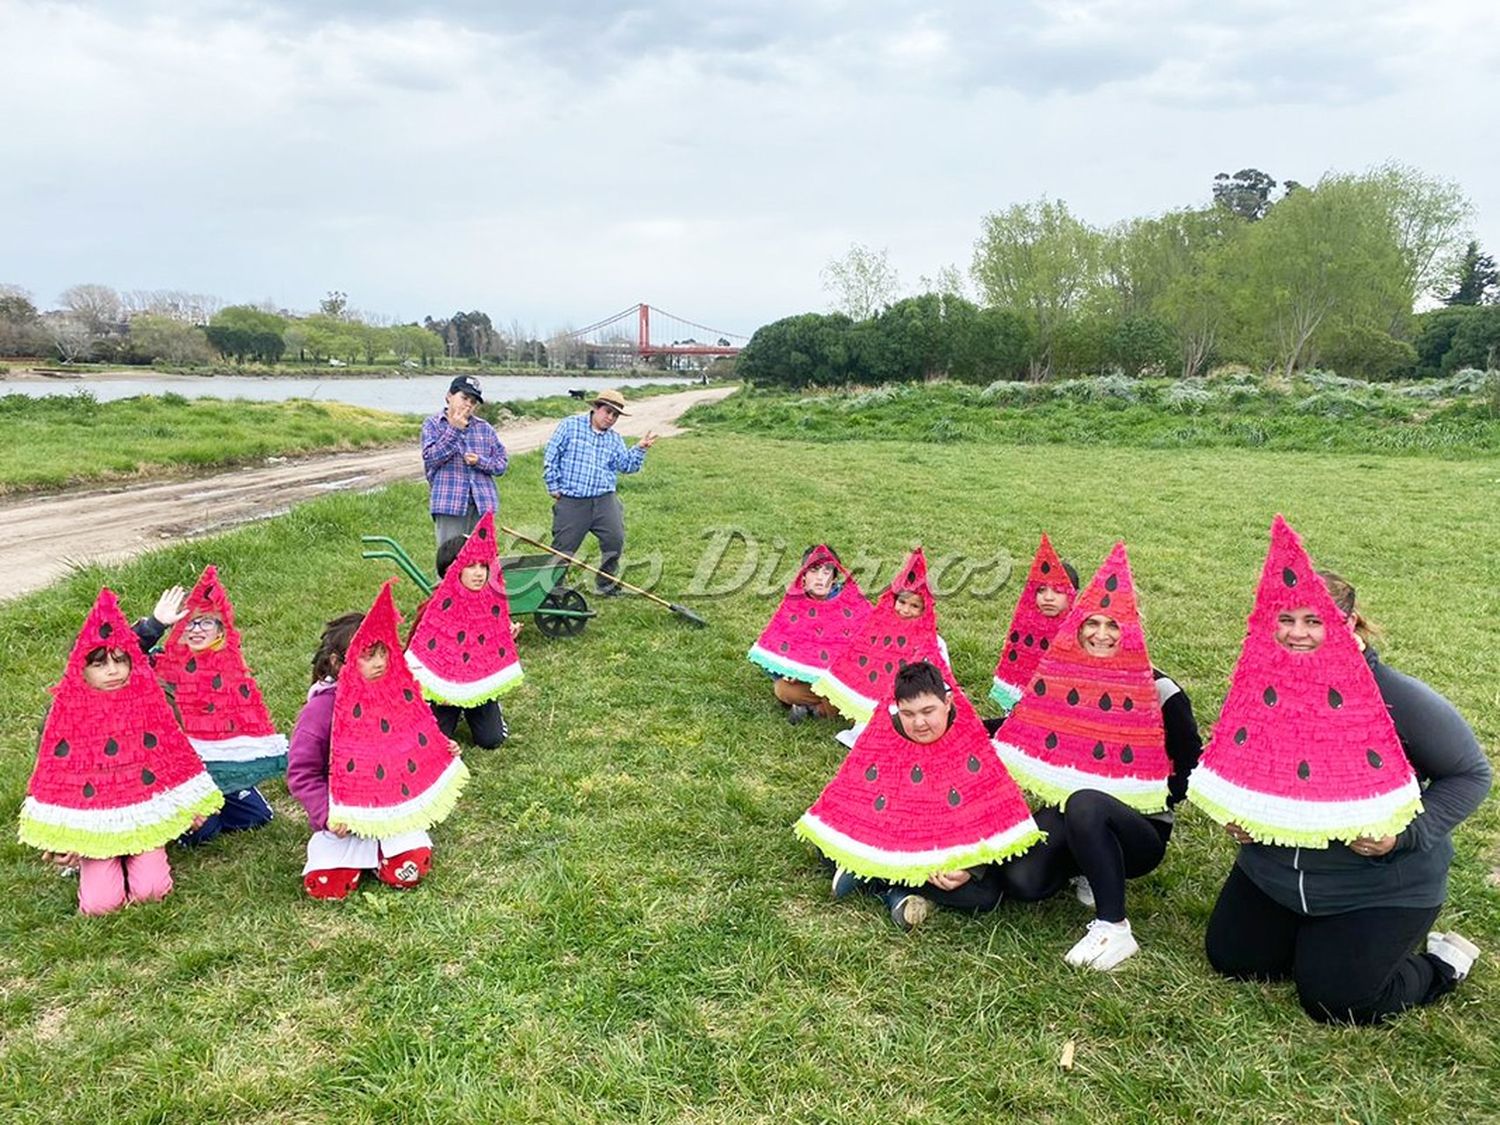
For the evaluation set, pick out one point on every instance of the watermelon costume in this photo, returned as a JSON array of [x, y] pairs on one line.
[[1304, 751], [389, 767], [1089, 722], [461, 651], [865, 672], [901, 810], [1031, 631], [114, 773], [805, 633], [222, 711]]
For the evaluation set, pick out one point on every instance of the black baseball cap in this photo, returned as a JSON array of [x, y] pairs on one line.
[[466, 384]]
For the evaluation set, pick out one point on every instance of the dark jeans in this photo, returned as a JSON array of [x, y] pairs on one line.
[[446, 527], [979, 895], [1356, 967], [242, 810], [486, 722], [1099, 837], [574, 517]]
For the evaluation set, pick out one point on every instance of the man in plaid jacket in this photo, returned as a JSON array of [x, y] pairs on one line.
[[462, 456]]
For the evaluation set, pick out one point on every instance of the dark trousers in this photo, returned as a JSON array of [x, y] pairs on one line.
[[486, 722], [243, 810], [446, 527], [574, 517], [1356, 967], [979, 895], [1099, 837]]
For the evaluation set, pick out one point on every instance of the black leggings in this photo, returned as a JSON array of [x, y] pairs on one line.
[[1099, 837], [486, 722], [1356, 967]]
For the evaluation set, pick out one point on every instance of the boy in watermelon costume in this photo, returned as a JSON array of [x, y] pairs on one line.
[[203, 669], [1044, 601], [921, 802], [1314, 768], [115, 778], [821, 610], [462, 647], [368, 761], [901, 631], [1111, 740]]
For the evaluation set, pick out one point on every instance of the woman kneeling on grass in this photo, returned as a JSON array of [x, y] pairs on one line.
[[1342, 921]]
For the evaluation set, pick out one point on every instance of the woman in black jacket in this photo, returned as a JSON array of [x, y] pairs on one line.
[[1343, 921]]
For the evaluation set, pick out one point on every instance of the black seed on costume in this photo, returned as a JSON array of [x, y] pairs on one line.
[[494, 611], [244, 691], [385, 726], [1112, 583], [1128, 705], [889, 667], [973, 764], [208, 708], [88, 787], [886, 642], [900, 642], [901, 664], [1104, 602], [411, 765], [880, 803], [1288, 576], [1014, 636], [447, 603], [911, 577], [1335, 700], [217, 682], [794, 617], [1373, 758], [1127, 755], [191, 665], [823, 655], [105, 630], [431, 644], [916, 775], [1011, 655], [349, 766], [1304, 771], [874, 677], [1028, 640], [407, 694], [421, 740], [379, 773], [1046, 568], [1105, 702], [1051, 741], [871, 774], [864, 661], [1269, 695], [812, 611], [111, 747], [1045, 644], [1240, 736], [848, 613], [62, 748], [785, 646], [1073, 697], [148, 778], [484, 533], [953, 798], [405, 790], [1099, 751], [1040, 687], [358, 710], [462, 636]]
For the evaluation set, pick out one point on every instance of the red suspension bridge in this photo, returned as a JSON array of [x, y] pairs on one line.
[[642, 332]]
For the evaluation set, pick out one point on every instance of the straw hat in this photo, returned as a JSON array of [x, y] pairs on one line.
[[611, 398]]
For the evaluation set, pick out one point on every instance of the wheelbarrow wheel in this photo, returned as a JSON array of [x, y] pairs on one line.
[[561, 625]]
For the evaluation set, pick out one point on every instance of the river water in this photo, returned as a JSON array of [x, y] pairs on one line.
[[417, 394]]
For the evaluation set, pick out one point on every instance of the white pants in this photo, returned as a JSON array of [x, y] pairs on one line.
[[326, 852]]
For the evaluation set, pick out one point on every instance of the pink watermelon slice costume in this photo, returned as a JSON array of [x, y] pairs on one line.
[[461, 651], [1089, 722], [389, 766], [805, 633], [1304, 751], [1031, 631], [114, 775], [864, 673], [901, 810], [222, 711]]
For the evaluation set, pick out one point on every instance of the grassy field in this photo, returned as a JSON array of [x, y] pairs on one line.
[[69, 439], [620, 925]]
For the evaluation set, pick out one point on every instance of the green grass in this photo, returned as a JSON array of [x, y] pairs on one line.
[[59, 440], [620, 924], [1457, 417]]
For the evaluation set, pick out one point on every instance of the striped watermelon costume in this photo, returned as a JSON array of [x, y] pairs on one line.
[[1031, 631], [806, 633]]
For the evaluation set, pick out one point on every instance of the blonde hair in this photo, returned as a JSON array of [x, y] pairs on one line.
[[1341, 590]]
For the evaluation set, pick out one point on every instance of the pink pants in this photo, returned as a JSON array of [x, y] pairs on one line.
[[105, 885]]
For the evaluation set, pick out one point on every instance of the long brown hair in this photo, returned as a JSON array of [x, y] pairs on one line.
[[333, 646], [1341, 590]]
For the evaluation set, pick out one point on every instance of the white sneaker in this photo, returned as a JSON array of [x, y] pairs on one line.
[[1104, 946], [846, 737], [1455, 951], [1084, 892]]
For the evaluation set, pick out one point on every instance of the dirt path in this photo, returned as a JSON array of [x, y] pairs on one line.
[[34, 530]]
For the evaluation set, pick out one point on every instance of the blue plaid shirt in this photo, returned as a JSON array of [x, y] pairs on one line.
[[581, 461], [454, 484]]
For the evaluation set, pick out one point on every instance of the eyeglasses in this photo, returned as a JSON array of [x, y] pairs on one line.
[[203, 625]]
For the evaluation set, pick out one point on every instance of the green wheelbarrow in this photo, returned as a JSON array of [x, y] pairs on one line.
[[534, 584]]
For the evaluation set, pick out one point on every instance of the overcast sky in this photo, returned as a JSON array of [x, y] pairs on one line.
[[556, 162]]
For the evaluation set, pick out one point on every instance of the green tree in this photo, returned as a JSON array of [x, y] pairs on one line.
[[1476, 278], [987, 344], [242, 332], [798, 351], [1476, 343], [1246, 194], [862, 282], [1434, 336], [1039, 259], [1427, 217], [154, 337], [1137, 343]]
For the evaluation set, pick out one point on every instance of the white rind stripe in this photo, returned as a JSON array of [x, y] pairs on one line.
[[812, 671], [1291, 812], [106, 822], [337, 812], [999, 842], [469, 689], [240, 748], [1071, 779]]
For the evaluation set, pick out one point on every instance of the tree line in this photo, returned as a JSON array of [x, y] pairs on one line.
[[1279, 277]]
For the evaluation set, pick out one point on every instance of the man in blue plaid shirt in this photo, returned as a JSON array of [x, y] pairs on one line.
[[462, 456], [579, 469]]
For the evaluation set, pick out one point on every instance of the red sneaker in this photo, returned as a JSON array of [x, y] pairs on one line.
[[405, 870], [335, 882]]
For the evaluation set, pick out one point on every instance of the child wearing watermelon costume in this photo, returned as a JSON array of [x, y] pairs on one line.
[[1321, 746], [462, 646], [1050, 586], [920, 807], [901, 630], [115, 778], [368, 761], [1111, 740], [819, 613], [203, 669]]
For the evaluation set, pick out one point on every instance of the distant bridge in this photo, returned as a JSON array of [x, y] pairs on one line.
[[659, 335]]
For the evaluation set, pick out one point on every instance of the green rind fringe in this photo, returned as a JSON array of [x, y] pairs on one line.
[[849, 705], [108, 845], [430, 814], [1056, 795], [914, 876], [1392, 825], [1004, 696], [231, 777], [474, 701], [765, 660]]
